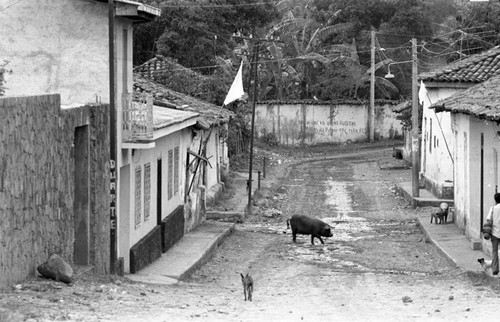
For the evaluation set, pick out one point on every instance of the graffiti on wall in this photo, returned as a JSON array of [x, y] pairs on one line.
[[326, 128], [297, 124]]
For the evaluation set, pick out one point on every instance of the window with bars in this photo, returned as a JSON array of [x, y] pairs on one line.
[[170, 174], [147, 190], [138, 204], [176, 170], [173, 172]]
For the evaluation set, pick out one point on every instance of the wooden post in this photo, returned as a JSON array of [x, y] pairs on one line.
[[415, 146], [254, 99], [371, 121]]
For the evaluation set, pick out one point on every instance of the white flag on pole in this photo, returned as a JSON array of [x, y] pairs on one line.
[[422, 93], [236, 91]]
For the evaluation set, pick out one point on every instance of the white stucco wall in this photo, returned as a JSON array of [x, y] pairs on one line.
[[468, 201], [437, 143], [56, 46], [213, 155], [461, 184], [129, 232], [295, 124]]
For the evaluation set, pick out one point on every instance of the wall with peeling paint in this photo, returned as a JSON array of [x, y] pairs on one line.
[[474, 190], [437, 144], [311, 123], [56, 46]]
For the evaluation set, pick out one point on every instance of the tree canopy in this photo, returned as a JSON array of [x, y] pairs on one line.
[[316, 48], [194, 32]]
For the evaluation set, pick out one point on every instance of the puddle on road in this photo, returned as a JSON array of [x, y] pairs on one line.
[[345, 226], [322, 254]]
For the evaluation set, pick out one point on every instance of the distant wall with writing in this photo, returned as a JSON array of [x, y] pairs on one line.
[[311, 123]]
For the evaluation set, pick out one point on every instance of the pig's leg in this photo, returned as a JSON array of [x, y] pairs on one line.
[[294, 235]]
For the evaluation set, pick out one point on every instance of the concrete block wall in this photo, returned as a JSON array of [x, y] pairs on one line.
[[37, 184]]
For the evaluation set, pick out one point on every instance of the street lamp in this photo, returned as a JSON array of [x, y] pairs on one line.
[[389, 75], [415, 146]]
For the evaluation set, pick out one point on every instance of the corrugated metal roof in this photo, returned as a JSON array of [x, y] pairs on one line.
[[474, 69], [481, 101]]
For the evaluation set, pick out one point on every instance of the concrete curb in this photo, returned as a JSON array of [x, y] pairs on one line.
[[206, 255], [231, 216], [438, 248], [187, 255], [421, 201]]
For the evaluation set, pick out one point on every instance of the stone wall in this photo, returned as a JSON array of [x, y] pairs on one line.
[[37, 180]]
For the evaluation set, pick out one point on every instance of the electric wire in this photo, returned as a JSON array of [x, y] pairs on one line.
[[209, 5]]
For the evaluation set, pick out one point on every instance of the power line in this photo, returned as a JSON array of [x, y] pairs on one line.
[[10, 5], [200, 5]]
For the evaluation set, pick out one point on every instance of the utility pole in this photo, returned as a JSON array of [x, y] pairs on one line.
[[255, 61], [371, 121], [254, 73], [415, 146]]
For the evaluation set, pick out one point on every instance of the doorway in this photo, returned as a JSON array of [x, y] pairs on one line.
[[81, 195], [158, 192]]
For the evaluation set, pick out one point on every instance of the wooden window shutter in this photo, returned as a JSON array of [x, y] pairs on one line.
[[170, 173], [176, 170]]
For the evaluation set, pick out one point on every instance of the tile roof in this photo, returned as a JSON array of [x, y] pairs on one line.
[[163, 96], [160, 66], [168, 72], [474, 69], [481, 101]]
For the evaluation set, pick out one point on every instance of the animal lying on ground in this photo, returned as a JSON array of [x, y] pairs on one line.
[[247, 286], [486, 265], [305, 225]]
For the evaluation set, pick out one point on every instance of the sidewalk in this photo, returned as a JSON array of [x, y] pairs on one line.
[[449, 240], [196, 247], [187, 255]]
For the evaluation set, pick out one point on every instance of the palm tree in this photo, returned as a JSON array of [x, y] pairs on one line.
[[361, 74], [307, 38]]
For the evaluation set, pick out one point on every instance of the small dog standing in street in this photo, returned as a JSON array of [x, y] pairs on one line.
[[441, 217], [247, 286]]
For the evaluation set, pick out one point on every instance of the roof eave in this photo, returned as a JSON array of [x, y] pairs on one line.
[[136, 11]]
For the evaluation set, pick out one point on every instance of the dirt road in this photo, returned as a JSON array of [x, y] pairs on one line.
[[376, 267]]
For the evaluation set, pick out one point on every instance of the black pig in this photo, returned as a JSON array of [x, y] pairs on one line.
[[305, 225]]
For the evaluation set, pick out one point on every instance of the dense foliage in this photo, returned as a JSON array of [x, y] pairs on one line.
[[316, 49], [196, 31]]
